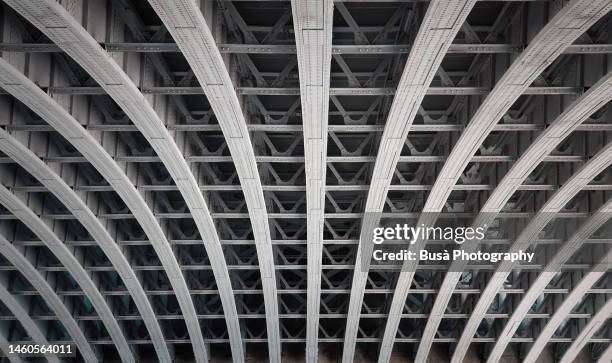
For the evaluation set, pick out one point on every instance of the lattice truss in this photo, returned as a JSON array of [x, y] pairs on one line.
[[187, 181]]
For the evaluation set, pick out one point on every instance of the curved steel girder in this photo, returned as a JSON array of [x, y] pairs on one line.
[[23, 89], [66, 258], [442, 22], [547, 213], [313, 21], [606, 357], [578, 112], [574, 297], [596, 322], [29, 325], [48, 294], [59, 26], [187, 25], [573, 20]]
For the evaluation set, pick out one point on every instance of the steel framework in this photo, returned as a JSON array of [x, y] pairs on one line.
[[189, 180]]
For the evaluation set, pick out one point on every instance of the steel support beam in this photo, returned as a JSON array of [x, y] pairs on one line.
[[441, 24], [187, 25], [313, 24]]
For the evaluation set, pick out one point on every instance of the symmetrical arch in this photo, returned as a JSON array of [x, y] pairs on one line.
[[188, 27], [571, 21], [53, 20], [312, 22]]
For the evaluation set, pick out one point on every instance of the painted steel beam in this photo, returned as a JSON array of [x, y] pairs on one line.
[[18, 306], [65, 256], [59, 26], [566, 123], [187, 25], [441, 24], [565, 27], [570, 301], [368, 49], [547, 213], [26, 91], [38, 281], [313, 24], [596, 322]]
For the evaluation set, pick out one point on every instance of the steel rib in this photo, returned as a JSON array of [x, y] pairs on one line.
[[59, 26], [442, 21], [312, 21], [187, 25]]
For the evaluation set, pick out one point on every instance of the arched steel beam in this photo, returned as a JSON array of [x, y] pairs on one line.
[[313, 21], [606, 357], [59, 26], [4, 343], [442, 22], [573, 20], [537, 287], [566, 307], [23, 89], [33, 329], [187, 25], [43, 287], [578, 112], [547, 213], [14, 205], [596, 322]]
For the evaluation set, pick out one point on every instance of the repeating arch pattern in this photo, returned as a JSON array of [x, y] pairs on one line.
[[576, 113], [53, 20], [577, 182], [544, 48], [26, 91]]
